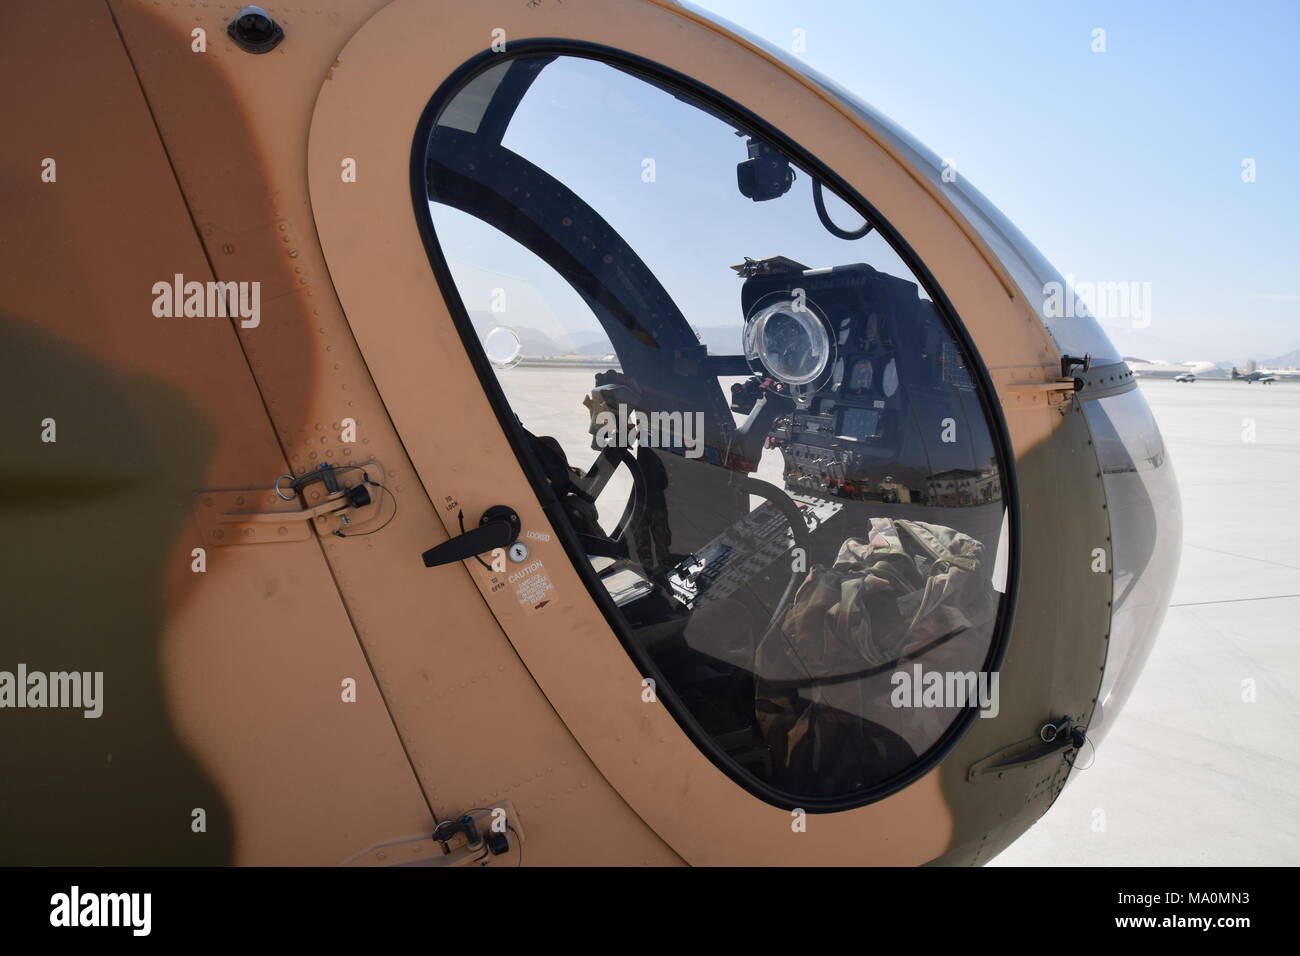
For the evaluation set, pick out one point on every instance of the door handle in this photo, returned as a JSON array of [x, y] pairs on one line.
[[498, 528]]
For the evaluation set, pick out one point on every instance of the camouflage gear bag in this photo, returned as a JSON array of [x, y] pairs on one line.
[[822, 671]]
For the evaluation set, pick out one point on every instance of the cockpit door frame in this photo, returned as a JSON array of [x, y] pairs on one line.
[[369, 111]]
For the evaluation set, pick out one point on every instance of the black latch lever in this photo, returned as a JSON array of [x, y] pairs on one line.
[[498, 528]]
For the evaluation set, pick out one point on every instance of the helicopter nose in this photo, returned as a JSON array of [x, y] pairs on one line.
[[1146, 538]]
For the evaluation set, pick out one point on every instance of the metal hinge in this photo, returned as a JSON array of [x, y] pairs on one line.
[[230, 516], [1054, 737], [482, 836]]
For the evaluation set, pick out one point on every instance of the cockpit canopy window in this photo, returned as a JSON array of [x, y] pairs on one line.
[[763, 433]]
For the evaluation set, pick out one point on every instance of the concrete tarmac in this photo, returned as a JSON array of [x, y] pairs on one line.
[[1196, 769]]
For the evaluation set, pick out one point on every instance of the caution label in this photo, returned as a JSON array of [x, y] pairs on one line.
[[532, 586]]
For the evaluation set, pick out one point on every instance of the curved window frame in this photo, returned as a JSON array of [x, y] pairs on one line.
[[744, 119]]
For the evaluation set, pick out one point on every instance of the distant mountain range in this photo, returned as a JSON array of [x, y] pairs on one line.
[[720, 339], [536, 342], [1289, 360]]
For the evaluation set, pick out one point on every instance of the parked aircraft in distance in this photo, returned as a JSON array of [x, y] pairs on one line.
[[1159, 368]]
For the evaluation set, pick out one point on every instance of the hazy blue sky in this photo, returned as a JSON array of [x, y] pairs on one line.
[[1120, 166]]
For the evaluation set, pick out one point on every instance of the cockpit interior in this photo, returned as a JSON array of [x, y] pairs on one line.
[[765, 435]]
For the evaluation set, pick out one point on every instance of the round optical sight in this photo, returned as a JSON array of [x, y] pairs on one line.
[[790, 342]]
